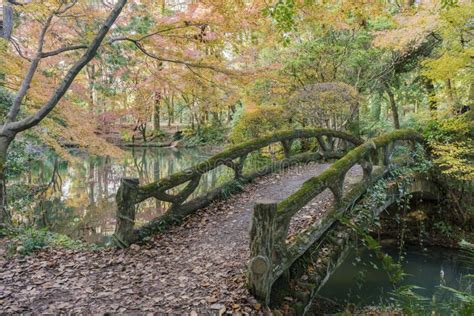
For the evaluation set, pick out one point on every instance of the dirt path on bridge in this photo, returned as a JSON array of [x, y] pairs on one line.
[[191, 269]]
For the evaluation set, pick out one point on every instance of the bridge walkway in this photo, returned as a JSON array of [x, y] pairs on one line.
[[198, 266]]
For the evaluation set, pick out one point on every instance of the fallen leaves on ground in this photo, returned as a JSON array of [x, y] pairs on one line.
[[196, 268]]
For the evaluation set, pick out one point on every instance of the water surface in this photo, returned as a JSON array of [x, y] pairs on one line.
[[361, 280], [81, 199]]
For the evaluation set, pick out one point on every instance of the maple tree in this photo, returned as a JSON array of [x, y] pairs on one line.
[[171, 50], [102, 76], [13, 123]]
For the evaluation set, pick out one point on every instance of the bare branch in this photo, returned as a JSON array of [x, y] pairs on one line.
[[15, 2], [185, 25], [34, 119], [66, 8], [17, 47], [174, 61], [62, 50], [25, 85]]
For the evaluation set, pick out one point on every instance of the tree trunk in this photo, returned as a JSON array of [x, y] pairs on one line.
[[5, 216], [156, 114], [262, 243], [125, 199], [431, 96], [142, 129], [170, 108], [6, 26], [393, 107], [230, 113], [452, 98]]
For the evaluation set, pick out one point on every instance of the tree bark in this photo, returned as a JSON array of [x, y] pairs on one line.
[[393, 107], [170, 109], [11, 126], [156, 113], [6, 26], [5, 216], [431, 96]]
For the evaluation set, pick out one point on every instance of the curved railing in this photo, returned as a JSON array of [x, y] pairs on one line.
[[131, 193], [271, 254]]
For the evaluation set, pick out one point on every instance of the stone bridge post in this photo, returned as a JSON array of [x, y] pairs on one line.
[[126, 198], [262, 239]]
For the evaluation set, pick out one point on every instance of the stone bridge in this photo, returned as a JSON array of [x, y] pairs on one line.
[[281, 252]]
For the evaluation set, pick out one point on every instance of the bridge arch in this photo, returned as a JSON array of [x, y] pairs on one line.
[[310, 272], [420, 186], [272, 256]]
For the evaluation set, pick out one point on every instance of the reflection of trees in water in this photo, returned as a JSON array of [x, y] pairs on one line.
[[82, 203]]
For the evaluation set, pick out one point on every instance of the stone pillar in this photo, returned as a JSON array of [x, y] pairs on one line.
[[262, 238], [126, 199]]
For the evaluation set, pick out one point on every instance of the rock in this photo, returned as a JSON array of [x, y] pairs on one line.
[[135, 247], [211, 299], [220, 308]]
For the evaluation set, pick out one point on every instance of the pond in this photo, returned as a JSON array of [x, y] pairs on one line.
[[80, 202], [361, 281]]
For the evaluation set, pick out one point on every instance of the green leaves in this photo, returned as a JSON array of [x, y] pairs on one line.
[[283, 14]]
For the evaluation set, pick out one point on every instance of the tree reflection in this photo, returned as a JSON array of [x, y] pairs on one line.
[[79, 196]]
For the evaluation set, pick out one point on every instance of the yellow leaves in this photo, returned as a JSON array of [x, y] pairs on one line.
[[453, 158], [448, 65], [3, 46], [456, 20], [452, 145], [456, 52], [259, 122], [340, 14]]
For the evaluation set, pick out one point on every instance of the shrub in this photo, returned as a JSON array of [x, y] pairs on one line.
[[205, 135], [258, 123], [451, 141], [25, 241]]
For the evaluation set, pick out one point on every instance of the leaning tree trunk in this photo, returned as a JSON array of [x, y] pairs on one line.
[[393, 107], [5, 216], [431, 96]]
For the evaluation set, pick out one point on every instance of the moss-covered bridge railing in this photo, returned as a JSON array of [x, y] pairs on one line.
[[331, 144], [271, 254]]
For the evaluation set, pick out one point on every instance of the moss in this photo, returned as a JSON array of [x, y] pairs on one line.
[[328, 179], [336, 172], [25, 241], [237, 151], [175, 215], [288, 207], [401, 134]]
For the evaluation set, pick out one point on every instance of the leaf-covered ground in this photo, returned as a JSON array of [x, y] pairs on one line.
[[196, 268]]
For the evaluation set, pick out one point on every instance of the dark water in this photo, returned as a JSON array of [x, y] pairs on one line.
[[361, 280], [81, 201]]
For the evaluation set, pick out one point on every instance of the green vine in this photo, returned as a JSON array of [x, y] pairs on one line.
[[361, 218]]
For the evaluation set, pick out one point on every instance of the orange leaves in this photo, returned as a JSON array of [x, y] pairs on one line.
[[410, 30]]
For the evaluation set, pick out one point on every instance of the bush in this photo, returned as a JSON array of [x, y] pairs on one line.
[[452, 142], [205, 135], [258, 123], [25, 241]]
